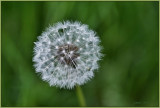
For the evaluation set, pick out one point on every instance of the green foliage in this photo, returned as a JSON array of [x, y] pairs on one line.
[[128, 74]]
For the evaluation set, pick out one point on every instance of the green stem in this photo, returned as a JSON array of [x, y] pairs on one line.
[[80, 96]]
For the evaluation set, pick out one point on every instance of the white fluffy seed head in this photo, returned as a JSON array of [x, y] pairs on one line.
[[67, 54]]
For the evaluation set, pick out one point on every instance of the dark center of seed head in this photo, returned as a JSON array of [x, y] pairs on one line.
[[67, 54]]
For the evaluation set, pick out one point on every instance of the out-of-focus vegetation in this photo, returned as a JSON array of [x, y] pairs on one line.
[[128, 74]]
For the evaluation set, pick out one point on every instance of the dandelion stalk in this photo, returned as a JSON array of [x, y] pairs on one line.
[[80, 96]]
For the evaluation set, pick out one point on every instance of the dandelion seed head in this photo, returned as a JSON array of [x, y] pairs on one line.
[[67, 54]]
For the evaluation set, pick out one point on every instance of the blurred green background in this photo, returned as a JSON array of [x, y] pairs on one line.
[[128, 74]]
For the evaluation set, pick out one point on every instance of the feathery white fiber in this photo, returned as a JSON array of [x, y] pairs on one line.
[[66, 54]]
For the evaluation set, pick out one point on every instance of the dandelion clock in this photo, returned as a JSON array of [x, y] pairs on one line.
[[67, 54]]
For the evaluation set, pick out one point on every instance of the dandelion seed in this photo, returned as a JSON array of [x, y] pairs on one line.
[[66, 54]]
